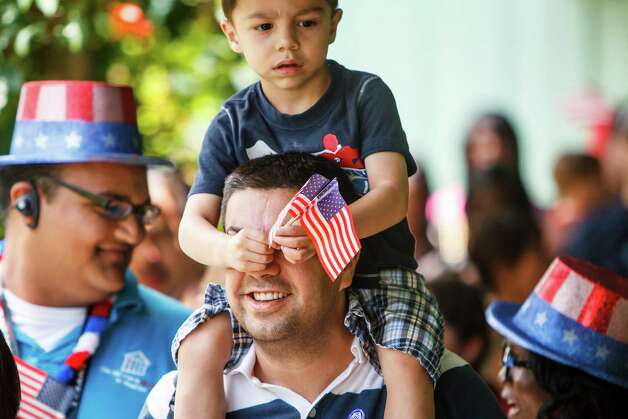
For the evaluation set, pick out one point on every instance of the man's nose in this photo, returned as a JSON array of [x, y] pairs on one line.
[[131, 230], [287, 38], [272, 269]]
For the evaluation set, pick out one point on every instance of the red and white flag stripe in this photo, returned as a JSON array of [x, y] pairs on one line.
[[334, 239], [31, 383]]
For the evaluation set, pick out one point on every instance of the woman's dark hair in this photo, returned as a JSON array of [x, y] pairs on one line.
[[9, 383], [496, 189], [576, 394]]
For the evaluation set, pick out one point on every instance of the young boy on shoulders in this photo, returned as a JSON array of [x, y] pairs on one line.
[[304, 102]]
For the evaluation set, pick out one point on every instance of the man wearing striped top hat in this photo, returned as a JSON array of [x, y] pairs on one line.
[[88, 341]]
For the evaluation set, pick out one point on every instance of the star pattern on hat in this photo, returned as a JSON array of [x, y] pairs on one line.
[[41, 141], [569, 337], [73, 140], [601, 352], [540, 319], [110, 140]]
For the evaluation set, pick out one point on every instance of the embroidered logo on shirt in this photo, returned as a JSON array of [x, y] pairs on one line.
[[135, 363], [130, 374], [357, 414]]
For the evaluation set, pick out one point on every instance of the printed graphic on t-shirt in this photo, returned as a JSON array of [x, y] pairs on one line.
[[346, 157]]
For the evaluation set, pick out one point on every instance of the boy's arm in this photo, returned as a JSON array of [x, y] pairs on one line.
[[199, 238], [386, 203]]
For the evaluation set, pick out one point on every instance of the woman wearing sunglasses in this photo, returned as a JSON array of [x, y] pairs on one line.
[[566, 348]]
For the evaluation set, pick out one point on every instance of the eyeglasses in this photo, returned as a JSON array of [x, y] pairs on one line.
[[510, 360], [114, 209]]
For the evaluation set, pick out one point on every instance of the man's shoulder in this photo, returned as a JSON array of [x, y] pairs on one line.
[[461, 393]]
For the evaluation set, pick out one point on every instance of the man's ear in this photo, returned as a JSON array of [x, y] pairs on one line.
[[232, 36], [346, 276], [333, 27], [23, 197]]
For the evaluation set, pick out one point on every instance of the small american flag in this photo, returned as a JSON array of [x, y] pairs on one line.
[[42, 396], [328, 223], [300, 202]]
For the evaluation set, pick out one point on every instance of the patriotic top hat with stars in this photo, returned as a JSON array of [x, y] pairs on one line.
[[76, 122], [577, 316]]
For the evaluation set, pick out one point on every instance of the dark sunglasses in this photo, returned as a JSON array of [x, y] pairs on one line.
[[114, 209], [510, 360]]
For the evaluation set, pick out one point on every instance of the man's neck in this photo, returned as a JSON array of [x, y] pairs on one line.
[[306, 368], [298, 100]]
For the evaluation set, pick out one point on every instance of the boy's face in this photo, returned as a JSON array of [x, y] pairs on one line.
[[284, 41]]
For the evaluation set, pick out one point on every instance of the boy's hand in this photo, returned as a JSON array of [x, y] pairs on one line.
[[294, 243], [247, 251]]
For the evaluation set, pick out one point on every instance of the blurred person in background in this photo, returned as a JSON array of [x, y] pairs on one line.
[[491, 140], [466, 331], [427, 256], [602, 237], [509, 253], [9, 383], [565, 351], [75, 205], [158, 261], [462, 305], [581, 191], [494, 190]]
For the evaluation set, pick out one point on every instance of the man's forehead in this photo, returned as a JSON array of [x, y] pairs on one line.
[[256, 208]]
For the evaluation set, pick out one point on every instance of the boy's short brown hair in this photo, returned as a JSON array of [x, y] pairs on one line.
[[572, 168], [229, 5]]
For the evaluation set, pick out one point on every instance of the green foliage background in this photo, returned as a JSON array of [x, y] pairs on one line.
[[181, 73]]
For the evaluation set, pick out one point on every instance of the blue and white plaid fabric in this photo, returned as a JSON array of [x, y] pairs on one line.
[[400, 313]]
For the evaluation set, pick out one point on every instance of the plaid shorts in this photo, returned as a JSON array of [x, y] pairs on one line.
[[398, 312]]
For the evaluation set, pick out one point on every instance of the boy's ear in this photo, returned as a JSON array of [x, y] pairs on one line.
[[335, 19], [232, 36]]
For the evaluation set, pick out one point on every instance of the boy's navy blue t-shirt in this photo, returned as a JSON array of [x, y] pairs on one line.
[[356, 117]]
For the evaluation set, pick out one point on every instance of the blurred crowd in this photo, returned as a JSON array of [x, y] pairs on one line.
[[511, 241]]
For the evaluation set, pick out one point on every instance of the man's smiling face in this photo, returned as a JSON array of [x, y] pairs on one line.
[[300, 301]]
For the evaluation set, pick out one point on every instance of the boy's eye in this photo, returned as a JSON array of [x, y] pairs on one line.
[[307, 23], [264, 27]]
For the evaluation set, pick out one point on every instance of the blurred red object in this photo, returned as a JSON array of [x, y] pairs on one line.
[[589, 106], [127, 19]]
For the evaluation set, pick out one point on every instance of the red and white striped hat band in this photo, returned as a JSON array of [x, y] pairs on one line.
[[76, 101], [595, 298]]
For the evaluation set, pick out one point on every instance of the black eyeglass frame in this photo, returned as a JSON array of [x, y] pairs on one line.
[[510, 360], [105, 203]]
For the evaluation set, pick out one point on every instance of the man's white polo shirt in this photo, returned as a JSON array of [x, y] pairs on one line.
[[357, 393]]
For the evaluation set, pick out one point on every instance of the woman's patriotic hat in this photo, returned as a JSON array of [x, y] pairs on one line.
[[76, 122], [577, 316]]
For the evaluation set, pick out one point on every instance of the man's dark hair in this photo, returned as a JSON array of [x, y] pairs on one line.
[[9, 383], [229, 5], [12, 174], [462, 306], [290, 170], [501, 239], [574, 394]]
